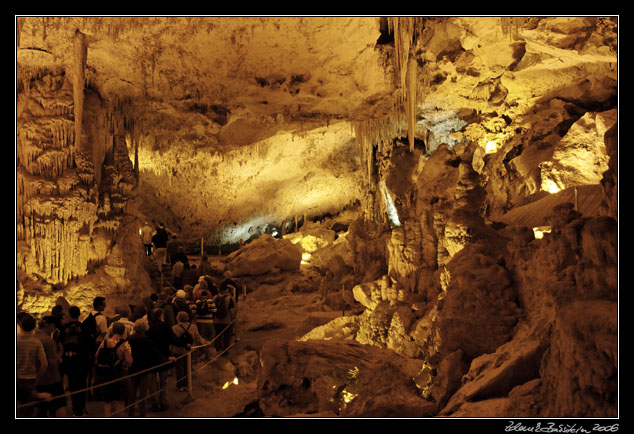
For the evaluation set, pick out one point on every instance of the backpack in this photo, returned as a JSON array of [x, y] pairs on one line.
[[185, 339], [204, 307], [90, 326], [108, 363], [73, 345]]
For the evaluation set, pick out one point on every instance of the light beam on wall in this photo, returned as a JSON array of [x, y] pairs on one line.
[[392, 213]]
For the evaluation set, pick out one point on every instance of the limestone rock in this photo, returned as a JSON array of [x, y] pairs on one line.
[[374, 325], [448, 376], [480, 292], [344, 327], [263, 255], [494, 375], [342, 377], [579, 370]]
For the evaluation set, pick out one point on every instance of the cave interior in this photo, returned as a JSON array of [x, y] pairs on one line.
[[422, 212]]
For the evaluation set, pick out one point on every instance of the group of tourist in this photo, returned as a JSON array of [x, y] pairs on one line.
[[141, 343]]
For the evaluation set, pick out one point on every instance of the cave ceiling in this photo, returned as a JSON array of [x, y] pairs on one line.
[[211, 95]]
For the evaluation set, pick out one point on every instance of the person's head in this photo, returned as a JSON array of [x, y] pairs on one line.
[[140, 326], [74, 312], [154, 297], [157, 314], [47, 323], [140, 311], [118, 328], [99, 304], [27, 323], [123, 311], [20, 316], [181, 293], [182, 316]]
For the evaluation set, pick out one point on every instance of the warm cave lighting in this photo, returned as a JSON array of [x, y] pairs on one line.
[[539, 231], [229, 383], [550, 186], [392, 214], [491, 147], [305, 258]]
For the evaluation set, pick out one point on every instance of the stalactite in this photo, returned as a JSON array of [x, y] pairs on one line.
[[79, 62]]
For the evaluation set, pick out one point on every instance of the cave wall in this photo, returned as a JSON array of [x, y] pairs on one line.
[[70, 200]]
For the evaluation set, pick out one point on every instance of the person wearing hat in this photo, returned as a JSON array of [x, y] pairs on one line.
[[180, 303], [201, 288]]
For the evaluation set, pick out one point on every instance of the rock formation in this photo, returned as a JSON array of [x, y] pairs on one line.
[[449, 182]]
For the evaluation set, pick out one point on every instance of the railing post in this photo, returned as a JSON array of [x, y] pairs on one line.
[[189, 374]]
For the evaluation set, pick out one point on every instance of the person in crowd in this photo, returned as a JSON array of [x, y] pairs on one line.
[[224, 316], [144, 357], [140, 312], [205, 309], [168, 312], [179, 348], [205, 268], [180, 303], [177, 272], [189, 275], [96, 326], [181, 256], [211, 285], [31, 365], [124, 314], [75, 360], [227, 281], [161, 335], [146, 237], [51, 380], [201, 289], [159, 240], [114, 359], [60, 318], [172, 248]]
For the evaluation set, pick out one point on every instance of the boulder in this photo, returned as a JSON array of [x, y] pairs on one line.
[[263, 255], [341, 377], [494, 375]]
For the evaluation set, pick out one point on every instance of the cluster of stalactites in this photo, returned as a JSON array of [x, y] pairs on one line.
[[406, 31], [512, 26]]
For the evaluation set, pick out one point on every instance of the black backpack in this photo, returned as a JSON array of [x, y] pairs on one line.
[[204, 307], [73, 338], [90, 326], [108, 362], [185, 339]]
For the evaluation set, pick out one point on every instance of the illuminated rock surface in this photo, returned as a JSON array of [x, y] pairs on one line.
[[438, 198]]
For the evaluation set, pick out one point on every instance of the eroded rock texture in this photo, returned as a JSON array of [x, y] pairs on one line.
[[476, 160]]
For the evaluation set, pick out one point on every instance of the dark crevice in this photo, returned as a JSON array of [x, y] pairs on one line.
[[386, 37]]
